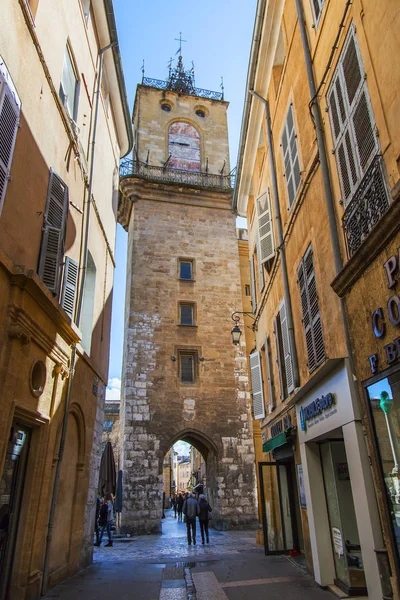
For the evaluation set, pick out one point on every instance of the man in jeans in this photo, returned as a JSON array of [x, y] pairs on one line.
[[191, 510]]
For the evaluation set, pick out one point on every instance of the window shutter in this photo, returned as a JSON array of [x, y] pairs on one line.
[[261, 278], [9, 120], [364, 131], [268, 370], [310, 309], [253, 285], [279, 353], [68, 291], [286, 348], [352, 69], [257, 386], [266, 234], [291, 156], [55, 220]]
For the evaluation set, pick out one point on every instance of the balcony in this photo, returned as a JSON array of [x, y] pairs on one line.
[[191, 90], [368, 205], [139, 169]]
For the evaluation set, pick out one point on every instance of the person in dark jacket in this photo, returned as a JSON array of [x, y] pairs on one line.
[[191, 510], [204, 517], [179, 503]]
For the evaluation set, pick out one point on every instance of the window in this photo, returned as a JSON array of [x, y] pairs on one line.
[[265, 229], [166, 107], [186, 314], [9, 119], [86, 324], [69, 85], [187, 366], [53, 233], [200, 113], [310, 309], [317, 6], [247, 290], [86, 9], [284, 358], [352, 122], [291, 157], [261, 278], [185, 269], [183, 147], [257, 385]]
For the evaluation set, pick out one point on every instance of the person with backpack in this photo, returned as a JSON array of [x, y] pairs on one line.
[[106, 517], [204, 517], [191, 510]]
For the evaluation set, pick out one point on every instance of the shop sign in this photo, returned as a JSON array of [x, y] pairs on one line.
[[337, 541], [315, 409], [282, 425], [392, 313]]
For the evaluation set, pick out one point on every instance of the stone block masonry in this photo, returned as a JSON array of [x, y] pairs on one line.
[[169, 223]]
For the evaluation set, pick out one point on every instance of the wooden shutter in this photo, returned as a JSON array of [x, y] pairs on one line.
[[265, 229], [9, 120], [54, 225], [279, 355], [261, 278], [68, 291], [257, 386], [291, 156], [268, 370], [253, 285], [311, 316], [286, 348]]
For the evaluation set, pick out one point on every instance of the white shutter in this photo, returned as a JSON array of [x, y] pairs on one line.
[[265, 229], [68, 291], [291, 156], [257, 386], [286, 348], [253, 285], [279, 353], [9, 120], [268, 370], [55, 220], [261, 278]]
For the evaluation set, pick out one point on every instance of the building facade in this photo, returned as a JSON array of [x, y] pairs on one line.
[[181, 380], [56, 278], [315, 180]]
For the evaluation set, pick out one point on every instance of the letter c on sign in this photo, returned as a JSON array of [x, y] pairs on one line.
[[394, 310], [379, 328]]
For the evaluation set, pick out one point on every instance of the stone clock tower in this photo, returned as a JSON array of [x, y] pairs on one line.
[[182, 377]]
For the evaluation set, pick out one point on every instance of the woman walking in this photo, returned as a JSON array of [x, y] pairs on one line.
[[106, 518], [204, 517]]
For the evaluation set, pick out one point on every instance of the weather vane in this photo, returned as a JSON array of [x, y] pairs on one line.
[[180, 40]]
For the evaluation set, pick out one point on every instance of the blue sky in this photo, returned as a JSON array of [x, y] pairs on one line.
[[218, 35]]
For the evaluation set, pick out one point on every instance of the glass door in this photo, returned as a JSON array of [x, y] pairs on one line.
[[278, 513], [11, 488]]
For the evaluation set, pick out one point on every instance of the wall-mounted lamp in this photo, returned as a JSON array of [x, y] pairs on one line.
[[236, 331]]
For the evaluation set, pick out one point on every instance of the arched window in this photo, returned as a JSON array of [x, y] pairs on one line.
[[184, 147]]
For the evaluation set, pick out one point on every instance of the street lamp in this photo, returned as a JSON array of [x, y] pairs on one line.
[[236, 331]]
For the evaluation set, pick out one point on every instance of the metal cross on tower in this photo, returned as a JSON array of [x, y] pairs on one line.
[[180, 40]]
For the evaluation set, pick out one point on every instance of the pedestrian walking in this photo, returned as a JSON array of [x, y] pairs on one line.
[[180, 506], [175, 504], [191, 510], [105, 519], [204, 517]]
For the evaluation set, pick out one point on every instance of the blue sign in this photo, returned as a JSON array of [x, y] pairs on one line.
[[315, 408]]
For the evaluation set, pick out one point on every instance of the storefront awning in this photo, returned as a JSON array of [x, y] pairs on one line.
[[275, 442]]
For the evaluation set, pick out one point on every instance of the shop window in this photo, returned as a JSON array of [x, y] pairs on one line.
[[383, 403], [310, 309]]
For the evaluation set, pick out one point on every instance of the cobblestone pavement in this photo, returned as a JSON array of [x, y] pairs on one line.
[[164, 567]]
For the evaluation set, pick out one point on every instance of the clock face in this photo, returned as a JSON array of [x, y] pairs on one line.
[[184, 147]]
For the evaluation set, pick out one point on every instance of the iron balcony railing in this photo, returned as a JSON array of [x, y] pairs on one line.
[[137, 168], [164, 85], [368, 205]]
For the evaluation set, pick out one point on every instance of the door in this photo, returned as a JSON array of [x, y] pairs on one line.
[[278, 510], [11, 490]]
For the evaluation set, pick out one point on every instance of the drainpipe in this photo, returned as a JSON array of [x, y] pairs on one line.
[[316, 112], [61, 448], [281, 245]]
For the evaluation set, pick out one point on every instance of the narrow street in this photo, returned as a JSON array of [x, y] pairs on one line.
[[163, 567]]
